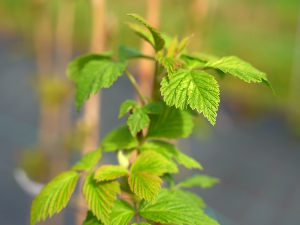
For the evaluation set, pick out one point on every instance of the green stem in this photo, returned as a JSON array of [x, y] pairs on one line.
[[131, 78]]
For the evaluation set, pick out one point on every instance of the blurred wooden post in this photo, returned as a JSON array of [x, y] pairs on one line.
[[91, 116], [146, 67], [64, 47], [92, 109]]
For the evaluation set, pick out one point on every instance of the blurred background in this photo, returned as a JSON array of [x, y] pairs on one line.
[[254, 148]]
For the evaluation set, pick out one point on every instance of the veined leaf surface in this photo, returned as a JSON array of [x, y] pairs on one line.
[[171, 123], [53, 197], [142, 32], [122, 213], [153, 108], [76, 66], [239, 68], [100, 196], [158, 39], [169, 151], [145, 171], [195, 88], [96, 75], [137, 121], [110, 172], [168, 208]]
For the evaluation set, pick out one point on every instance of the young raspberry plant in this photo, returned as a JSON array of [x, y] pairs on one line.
[[131, 192]]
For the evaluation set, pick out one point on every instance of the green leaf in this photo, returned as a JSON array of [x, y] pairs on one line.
[[182, 45], [203, 181], [145, 185], [88, 161], [239, 68], [170, 64], [142, 32], [137, 121], [141, 224], [169, 150], [110, 172], [76, 66], [122, 213], [190, 198], [127, 106], [119, 138], [151, 162], [206, 220], [100, 196], [96, 75], [150, 145], [196, 88], [172, 48], [172, 123], [91, 219], [169, 208], [145, 171], [192, 63], [53, 197], [153, 108], [158, 39], [126, 52]]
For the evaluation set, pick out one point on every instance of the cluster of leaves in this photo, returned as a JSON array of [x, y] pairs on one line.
[[145, 158]]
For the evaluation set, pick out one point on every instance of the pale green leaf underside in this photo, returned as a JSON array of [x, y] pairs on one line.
[[239, 68], [199, 180], [137, 121], [100, 196], [122, 213], [168, 208], [195, 88], [76, 66], [127, 106], [171, 123], [153, 108], [158, 39], [119, 138], [91, 219], [190, 198], [88, 161], [53, 197], [96, 75], [171, 166], [171, 151], [150, 162], [144, 184], [145, 171], [142, 32], [110, 172], [127, 52]]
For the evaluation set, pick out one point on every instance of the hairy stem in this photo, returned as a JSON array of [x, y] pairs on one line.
[[134, 83]]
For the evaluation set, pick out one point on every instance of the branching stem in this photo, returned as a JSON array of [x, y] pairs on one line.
[[134, 83]]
